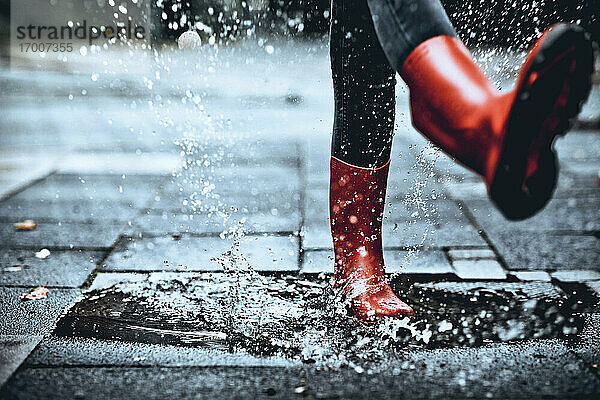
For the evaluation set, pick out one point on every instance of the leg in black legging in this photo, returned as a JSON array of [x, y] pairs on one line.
[[370, 40], [402, 25], [363, 84]]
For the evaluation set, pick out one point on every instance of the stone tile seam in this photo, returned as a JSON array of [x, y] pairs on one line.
[[27, 184], [471, 218], [100, 264]]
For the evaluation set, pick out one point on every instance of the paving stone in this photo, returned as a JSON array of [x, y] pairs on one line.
[[572, 183], [13, 351], [582, 168], [316, 203], [478, 269], [72, 188], [590, 115], [271, 253], [466, 190], [527, 250], [446, 165], [153, 163], [452, 172], [316, 236], [422, 262], [586, 345], [580, 144], [166, 253], [293, 120], [527, 369], [317, 261], [189, 253], [576, 275], [533, 370], [33, 317], [253, 152], [268, 222], [94, 183], [442, 233], [575, 181], [134, 382], [104, 280], [250, 182], [244, 200], [318, 181], [396, 261], [107, 279], [595, 286], [458, 254], [62, 268], [532, 276], [63, 351], [424, 208], [404, 184], [198, 223], [60, 234], [67, 210], [22, 166], [571, 214]]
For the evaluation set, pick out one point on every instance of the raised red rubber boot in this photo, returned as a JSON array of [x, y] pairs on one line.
[[507, 138], [357, 199]]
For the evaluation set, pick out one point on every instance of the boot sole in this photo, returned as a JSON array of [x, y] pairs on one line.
[[550, 95]]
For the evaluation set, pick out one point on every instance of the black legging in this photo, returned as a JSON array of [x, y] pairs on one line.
[[368, 44]]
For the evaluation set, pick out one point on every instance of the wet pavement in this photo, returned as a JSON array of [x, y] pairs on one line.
[[190, 253]]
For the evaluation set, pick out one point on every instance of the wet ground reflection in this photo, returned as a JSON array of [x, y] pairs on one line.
[[301, 318]]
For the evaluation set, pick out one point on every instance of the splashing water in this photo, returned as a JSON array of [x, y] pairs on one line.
[[419, 200]]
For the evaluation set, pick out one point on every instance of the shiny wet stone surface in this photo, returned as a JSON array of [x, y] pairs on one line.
[[154, 223], [301, 320], [62, 235], [265, 253], [20, 317], [67, 268], [79, 210], [540, 369]]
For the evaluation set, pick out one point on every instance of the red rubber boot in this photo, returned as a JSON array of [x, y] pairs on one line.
[[357, 199], [506, 138]]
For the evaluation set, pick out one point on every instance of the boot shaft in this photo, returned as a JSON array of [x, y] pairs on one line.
[[357, 201], [453, 103]]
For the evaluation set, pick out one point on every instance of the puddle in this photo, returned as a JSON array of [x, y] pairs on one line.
[[301, 318]]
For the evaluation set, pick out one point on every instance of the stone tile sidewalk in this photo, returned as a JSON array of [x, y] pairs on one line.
[[134, 225], [145, 230]]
